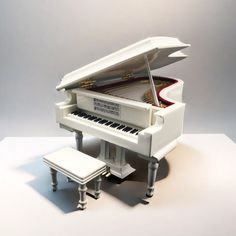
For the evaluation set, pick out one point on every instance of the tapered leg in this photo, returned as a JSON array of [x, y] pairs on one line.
[[152, 172], [54, 179], [79, 140], [98, 181], [82, 196]]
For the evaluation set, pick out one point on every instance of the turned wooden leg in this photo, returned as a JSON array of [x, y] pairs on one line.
[[82, 196], [54, 179], [79, 140], [152, 172], [98, 181]]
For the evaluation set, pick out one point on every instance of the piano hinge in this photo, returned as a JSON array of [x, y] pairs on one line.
[[87, 84], [127, 75]]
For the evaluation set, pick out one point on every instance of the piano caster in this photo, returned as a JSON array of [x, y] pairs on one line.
[[152, 172]]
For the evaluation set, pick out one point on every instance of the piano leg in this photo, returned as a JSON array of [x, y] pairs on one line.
[[79, 140], [152, 172]]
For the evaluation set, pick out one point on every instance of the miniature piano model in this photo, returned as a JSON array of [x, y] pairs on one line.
[[118, 100]]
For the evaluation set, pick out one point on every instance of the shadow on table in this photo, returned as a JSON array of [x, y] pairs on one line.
[[130, 191]]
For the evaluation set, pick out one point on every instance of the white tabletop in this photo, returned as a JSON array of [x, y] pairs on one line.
[[195, 193]]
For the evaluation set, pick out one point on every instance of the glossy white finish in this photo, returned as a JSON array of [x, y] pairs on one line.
[[153, 88], [159, 128], [167, 124], [174, 92], [160, 51], [129, 109], [117, 164], [74, 164]]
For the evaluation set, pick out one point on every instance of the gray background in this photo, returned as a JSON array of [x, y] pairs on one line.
[[40, 41]]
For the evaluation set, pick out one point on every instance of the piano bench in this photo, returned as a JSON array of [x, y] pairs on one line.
[[78, 167]]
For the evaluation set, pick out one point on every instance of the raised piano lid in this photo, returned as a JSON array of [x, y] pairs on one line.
[[160, 51]]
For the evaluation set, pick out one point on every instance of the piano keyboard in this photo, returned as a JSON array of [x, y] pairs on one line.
[[102, 121]]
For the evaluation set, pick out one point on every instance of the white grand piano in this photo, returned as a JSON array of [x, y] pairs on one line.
[[118, 100]]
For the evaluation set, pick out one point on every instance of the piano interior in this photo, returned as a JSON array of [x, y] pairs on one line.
[[137, 89]]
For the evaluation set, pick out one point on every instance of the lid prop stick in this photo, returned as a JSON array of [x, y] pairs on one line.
[[151, 82]]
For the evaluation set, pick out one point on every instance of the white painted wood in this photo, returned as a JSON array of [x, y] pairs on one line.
[[128, 112], [82, 196], [98, 181], [104, 151], [54, 179], [159, 128], [153, 88], [74, 164], [152, 172], [117, 164], [161, 51]]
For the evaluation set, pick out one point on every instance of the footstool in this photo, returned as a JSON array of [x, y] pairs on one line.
[[78, 167]]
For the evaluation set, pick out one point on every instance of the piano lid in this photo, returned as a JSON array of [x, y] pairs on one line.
[[160, 51]]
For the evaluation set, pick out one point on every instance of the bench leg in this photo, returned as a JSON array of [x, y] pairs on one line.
[[152, 172], [82, 196], [98, 181], [54, 179]]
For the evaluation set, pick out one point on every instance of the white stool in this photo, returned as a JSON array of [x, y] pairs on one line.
[[77, 166]]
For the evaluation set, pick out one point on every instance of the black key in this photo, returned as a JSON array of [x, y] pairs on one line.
[[75, 112], [133, 131], [109, 123], [121, 127], [92, 118], [97, 119], [114, 125], [102, 121], [87, 116], [82, 114], [127, 129]]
